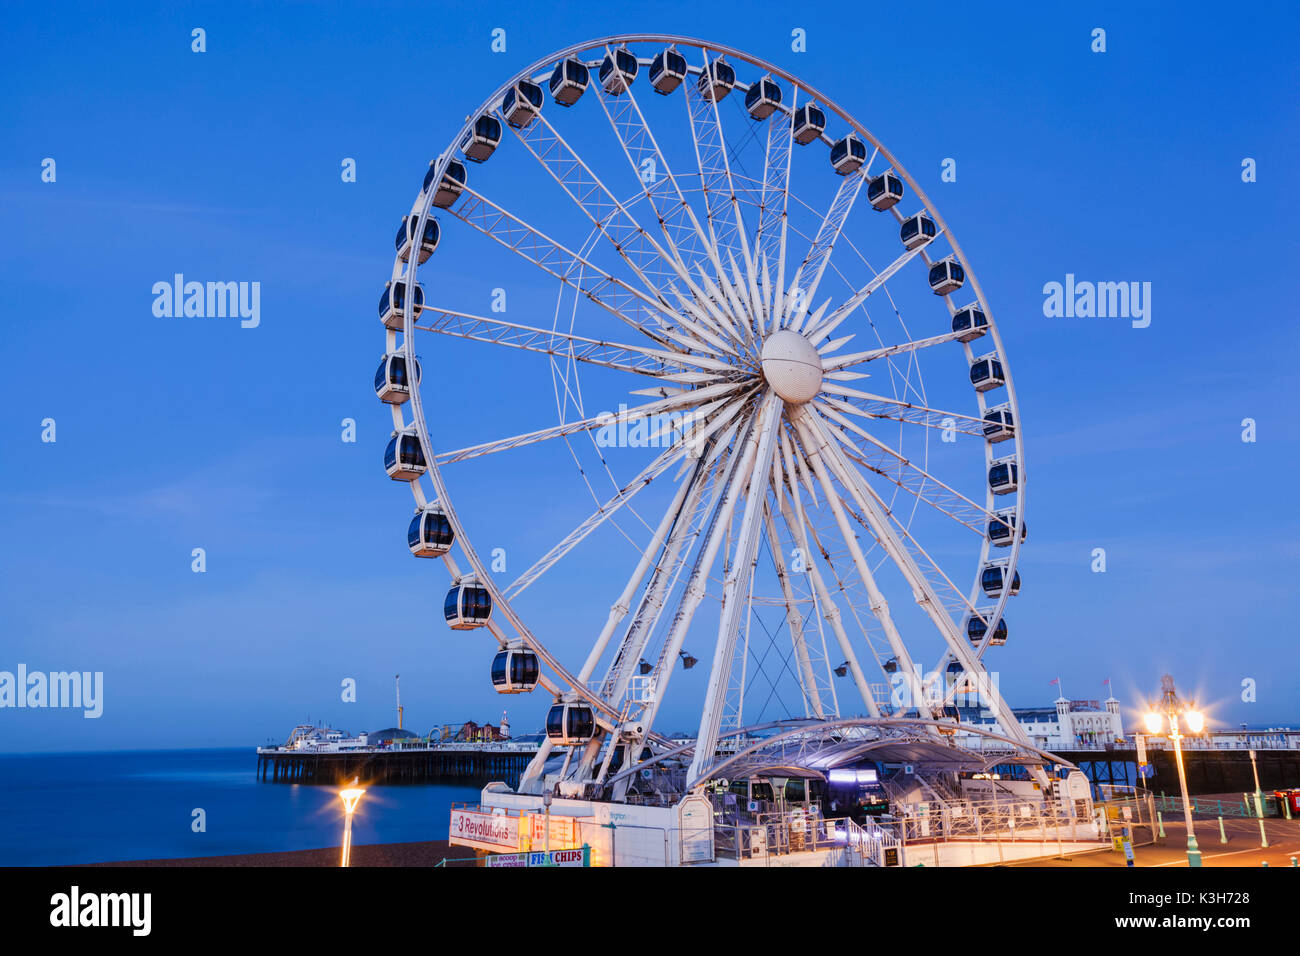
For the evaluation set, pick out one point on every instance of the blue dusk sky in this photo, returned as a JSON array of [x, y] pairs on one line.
[[180, 433]]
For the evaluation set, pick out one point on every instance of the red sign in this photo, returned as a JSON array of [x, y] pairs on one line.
[[484, 831]]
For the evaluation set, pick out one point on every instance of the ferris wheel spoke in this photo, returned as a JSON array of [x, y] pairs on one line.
[[676, 217], [832, 363], [793, 619], [892, 409], [726, 229], [657, 363], [817, 333], [796, 522], [872, 509], [628, 304], [817, 449], [677, 403], [736, 582], [654, 267], [775, 197], [908, 475], [809, 274]]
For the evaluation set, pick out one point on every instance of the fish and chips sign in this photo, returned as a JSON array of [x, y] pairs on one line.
[[554, 858], [484, 831]]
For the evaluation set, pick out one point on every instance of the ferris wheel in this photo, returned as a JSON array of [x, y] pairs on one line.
[[727, 256]]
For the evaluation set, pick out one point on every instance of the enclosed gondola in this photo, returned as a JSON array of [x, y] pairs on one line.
[[522, 103], [406, 238], [763, 98], [514, 670], [807, 124], [570, 724], [392, 303], [969, 323], [430, 534], [986, 373], [569, 81], [717, 80], [1004, 476], [999, 424], [976, 629], [618, 70], [1001, 530], [667, 70], [947, 276], [993, 579], [468, 604], [482, 139], [404, 458], [451, 185], [848, 155], [884, 191], [917, 230], [392, 384]]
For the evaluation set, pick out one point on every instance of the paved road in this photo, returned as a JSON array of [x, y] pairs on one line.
[[1242, 848]]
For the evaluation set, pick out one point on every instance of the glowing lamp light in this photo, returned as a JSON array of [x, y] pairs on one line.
[[1195, 721], [350, 797], [1154, 722]]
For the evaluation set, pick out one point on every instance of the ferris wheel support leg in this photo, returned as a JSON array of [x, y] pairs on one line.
[[531, 779], [793, 621], [879, 606], [924, 592], [830, 610], [757, 473]]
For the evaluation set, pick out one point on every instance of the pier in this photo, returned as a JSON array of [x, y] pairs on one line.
[[425, 765], [1208, 771]]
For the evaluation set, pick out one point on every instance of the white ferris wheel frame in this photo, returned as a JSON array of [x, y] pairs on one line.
[[834, 460]]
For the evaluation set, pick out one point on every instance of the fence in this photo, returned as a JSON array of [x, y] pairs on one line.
[[1011, 828]]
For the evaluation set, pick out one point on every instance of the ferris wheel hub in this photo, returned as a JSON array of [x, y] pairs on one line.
[[792, 366]]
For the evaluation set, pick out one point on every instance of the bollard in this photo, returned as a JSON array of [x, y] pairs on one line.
[[1263, 836], [1245, 802], [1286, 807], [1295, 862], [1263, 862], [1223, 837], [1161, 821]]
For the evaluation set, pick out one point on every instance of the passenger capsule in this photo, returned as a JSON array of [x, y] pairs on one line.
[[569, 81], [404, 458], [976, 629], [1004, 476], [514, 670], [999, 424], [392, 303], [406, 237], [1001, 529], [808, 123], [717, 80], [848, 155], [667, 70], [451, 186], [763, 98], [986, 373], [618, 70], [570, 724], [917, 231], [430, 534], [392, 384], [522, 104], [482, 139], [891, 666], [969, 323], [884, 191], [994, 578], [468, 604], [947, 276]]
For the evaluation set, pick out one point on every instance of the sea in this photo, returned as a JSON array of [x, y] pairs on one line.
[[72, 808]]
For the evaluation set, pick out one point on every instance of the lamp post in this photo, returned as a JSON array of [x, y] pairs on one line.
[[1169, 712], [350, 797]]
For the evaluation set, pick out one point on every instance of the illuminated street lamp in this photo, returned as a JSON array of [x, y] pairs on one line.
[[1170, 711], [350, 797]]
